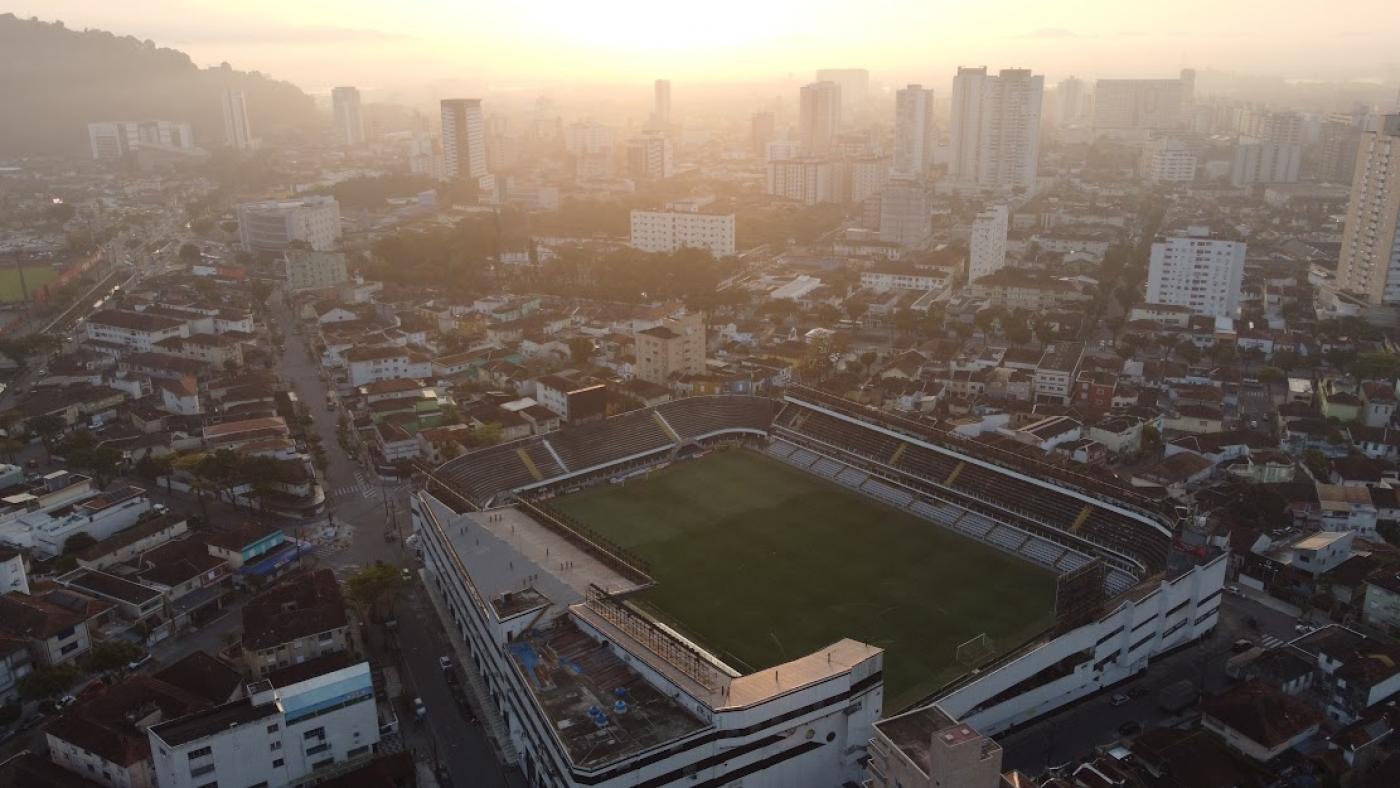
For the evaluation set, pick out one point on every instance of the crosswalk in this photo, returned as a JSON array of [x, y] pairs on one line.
[[1269, 641], [363, 488]]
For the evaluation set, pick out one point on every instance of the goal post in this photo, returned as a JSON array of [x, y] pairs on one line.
[[975, 651]]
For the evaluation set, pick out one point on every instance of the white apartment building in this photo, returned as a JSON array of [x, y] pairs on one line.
[[650, 157], [275, 736], [807, 180], [1264, 161], [819, 117], [987, 244], [270, 225], [782, 150], [12, 574], [312, 270], [996, 129], [366, 365], [854, 84], [667, 231], [587, 137], [905, 215], [904, 279], [345, 108], [862, 177], [661, 110], [914, 138], [116, 138], [1138, 105], [1070, 101], [1197, 269], [1168, 161], [463, 138], [685, 718], [1370, 261], [134, 330], [238, 134]]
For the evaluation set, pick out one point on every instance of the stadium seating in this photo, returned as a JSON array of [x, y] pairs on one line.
[[695, 417]]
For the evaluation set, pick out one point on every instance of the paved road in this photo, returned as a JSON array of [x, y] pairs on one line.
[[356, 500], [1094, 721]]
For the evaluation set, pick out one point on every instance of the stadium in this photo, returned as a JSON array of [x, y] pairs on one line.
[[729, 536]]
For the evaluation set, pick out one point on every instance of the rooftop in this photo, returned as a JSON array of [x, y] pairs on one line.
[[210, 721], [299, 605]]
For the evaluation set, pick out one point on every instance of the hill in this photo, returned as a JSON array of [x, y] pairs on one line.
[[54, 81]]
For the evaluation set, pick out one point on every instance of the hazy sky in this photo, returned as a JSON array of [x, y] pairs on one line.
[[388, 43]]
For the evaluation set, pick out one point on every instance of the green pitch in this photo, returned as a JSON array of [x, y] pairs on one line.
[[35, 277], [763, 563]]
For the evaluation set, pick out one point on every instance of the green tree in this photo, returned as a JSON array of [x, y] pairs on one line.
[[487, 434], [77, 543], [1151, 439], [48, 428], [1376, 364], [189, 253], [101, 462], [1317, 464], [374, 587], [581, 350], [109, 655], [10, 447], [48, 682]]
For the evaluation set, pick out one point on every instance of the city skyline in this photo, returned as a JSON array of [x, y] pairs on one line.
[[501, 49]]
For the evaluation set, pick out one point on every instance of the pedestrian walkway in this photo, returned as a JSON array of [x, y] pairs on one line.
[[1269, 641]]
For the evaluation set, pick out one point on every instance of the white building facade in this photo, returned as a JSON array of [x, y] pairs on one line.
[[667, 231], [914, 139], [463, 138], [996, 129], [1197, 270], [987, 245], [345, 109], [272, 224], [238, 134]]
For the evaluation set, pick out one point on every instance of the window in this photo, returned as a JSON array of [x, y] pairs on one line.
[[201, 752], [322, 747], [322, 764], [277, 764], [325, 636], [68, 649], [199, 771], [275, 746], [315, 733], [273, 728]]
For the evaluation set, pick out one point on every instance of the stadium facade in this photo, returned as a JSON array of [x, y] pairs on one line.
[[543, 611]]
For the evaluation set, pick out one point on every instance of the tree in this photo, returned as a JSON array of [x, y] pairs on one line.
[[1317, 464], [1376, 364], [77, 543], [1270, 374], [868, 359], [581, 350], [109, 655], [48, 428], [102, 462], [48, 682], [189, 253], [9, 447], [487, 434], [1151, 439], [373, 586]]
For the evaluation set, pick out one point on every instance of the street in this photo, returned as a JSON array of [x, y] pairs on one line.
[[1094, 721], [354, 500]]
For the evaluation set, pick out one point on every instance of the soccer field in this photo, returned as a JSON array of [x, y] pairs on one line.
[[764, 563], [35, 277]]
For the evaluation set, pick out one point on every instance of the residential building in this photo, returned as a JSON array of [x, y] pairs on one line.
[[238, 134], [675, 346], [345, 111], [667, 231], [294, 729], [308, 269], [1070, 102], [819, 117], [1198, 269], [1057, 372], [368, 364], [463, 138], [926, 748], [54, 627], [762, 128], [1345, 507], [854, 84], [115, 139], [996, 129], [13, 575], [135, 331], [15, 663], [1370, 263], [914, 137], [298, 618], [661, 111], [1265, 161], [1259, 720], [649, 157], [1139, 105], [1381, 609], [895, 277], [1168, 160], [987, 250], [808, 180], [905, 214], [270, 225]]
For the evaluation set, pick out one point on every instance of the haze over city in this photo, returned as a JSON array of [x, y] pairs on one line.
[[775, 394]]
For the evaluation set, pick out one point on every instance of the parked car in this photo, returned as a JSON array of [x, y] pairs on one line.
[[1304, 629], [139, 662], [420, 712], [1119, 699], [1242, 645], [445, 662]]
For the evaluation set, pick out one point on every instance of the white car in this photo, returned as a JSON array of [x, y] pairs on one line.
[[419, 710], [445, 662], [1119, 699]]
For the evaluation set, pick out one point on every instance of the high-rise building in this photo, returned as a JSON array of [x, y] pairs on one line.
[[854, 84], [762, 128], [905, 215], [1069, 101], [819, 117], [987, 245], [463, 138], [661, 112], [1338, 143], [313, 270], [1262, 161], [1168, 160], [1370, 261], [345, 107], [667, 231], [996, 129], [809, 180], [271, 225], [914, 139], [238, 134], [1196, 269], [649, 157], [1124, 105], [675, 346], [114, 139]]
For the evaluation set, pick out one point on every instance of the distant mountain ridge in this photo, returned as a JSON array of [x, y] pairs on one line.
[[54, 81]]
